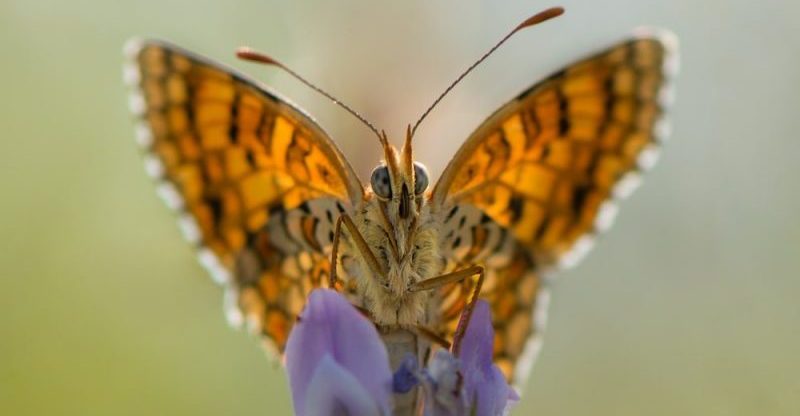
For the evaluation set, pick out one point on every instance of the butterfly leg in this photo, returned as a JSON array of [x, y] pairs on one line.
[[431, 336], [361, 246], [466, 314]]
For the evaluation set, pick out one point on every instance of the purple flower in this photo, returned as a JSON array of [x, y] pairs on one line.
[[442, 382], [470, 384], [338, 365], [336, 361], [484, 384]]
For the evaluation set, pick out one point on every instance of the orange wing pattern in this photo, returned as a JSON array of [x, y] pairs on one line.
[[548, 166], [254, 180], [512, 285]]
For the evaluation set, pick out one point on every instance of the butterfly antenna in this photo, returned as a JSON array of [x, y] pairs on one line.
[[531, 21], [253, 56]]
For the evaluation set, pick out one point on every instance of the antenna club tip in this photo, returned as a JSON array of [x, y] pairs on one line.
[[250, 54], [540, 17]]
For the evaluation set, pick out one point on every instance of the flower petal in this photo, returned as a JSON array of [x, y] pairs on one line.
[[444, 395], [484, 383], [405, 378], [333, 391], [330, 325]]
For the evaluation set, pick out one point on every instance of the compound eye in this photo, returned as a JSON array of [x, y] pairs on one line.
[[381, 183], [420, 178]]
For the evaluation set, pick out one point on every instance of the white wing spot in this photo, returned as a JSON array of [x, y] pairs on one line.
[[144, 136], [534, 344], [647, 158], [132, 48], [606, 215], [666, 95], [136, 103], [577, 253], [131, 75], [232, 311], [189, 228], [671, 45], [153, 166], [170, 195], [211, 263], [629, 183], [662, 129]]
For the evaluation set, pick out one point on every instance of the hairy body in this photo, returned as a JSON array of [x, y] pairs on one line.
[[408, 252]]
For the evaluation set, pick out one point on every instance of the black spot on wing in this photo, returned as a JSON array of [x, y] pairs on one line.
[[451, 214], [579, 198], [515, 206]]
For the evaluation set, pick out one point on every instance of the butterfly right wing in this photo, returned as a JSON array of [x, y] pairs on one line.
[[256, 183], [513, 285], [537, 180]]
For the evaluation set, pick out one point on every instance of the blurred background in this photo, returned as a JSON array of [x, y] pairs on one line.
[[688, 306]]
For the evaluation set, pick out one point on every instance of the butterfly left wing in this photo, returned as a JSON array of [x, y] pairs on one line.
[[538, 179], [256, 183]]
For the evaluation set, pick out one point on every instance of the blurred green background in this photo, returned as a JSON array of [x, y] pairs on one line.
[[689, 306]]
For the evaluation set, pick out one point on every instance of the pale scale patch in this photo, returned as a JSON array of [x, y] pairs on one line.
[[533, 345], [606, 215], [189, 228], [132, 48], [493, 247], [252, 323], [662, 129], [290, 267], [220, 274], [136, 103], [666, 95], [170, 195], [144, 136], [577, 253], [502, 255], [231, 307], [294, 227], [153, 166], [211, 263], [462, 249], [629, 183], [671, 46], [278, 235], [669, 69], [647, 158], [304, 261], [320, 209], [131, 75]]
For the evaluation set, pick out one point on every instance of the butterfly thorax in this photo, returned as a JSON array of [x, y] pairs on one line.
[[407, 250]]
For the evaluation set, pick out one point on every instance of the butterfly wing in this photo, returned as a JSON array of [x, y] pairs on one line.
[[513, 284], [256, 183], [544, 172]]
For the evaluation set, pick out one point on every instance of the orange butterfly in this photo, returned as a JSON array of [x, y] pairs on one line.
[[268, 199]]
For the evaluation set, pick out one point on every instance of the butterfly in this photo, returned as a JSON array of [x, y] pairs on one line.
[[275, 210]]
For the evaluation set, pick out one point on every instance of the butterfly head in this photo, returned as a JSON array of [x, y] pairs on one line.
[[399, 181]]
